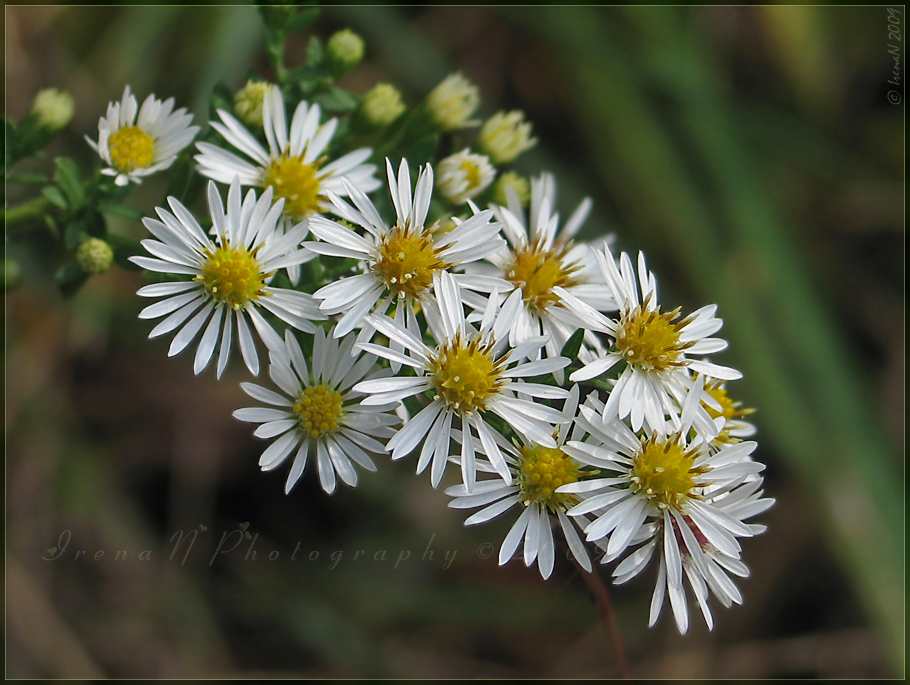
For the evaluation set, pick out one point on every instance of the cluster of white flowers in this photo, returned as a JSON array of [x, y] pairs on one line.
[[466, 338]]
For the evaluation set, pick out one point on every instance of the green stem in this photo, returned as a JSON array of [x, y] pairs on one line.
[[31, 210]]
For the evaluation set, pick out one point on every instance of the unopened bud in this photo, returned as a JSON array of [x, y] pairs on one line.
[[517, 183], [248, 102], [53, 109], [382, 105], [464, 175], [95, 256], [345, 50], [504, 136], [452, 103]]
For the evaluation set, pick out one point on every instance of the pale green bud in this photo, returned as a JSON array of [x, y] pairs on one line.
[[382, 105], [519, 185], [95, 256], [345, 49], [504, 136], [452, 103], [248, 102], [53, 109]]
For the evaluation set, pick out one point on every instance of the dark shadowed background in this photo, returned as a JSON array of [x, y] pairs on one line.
[[751, 152]]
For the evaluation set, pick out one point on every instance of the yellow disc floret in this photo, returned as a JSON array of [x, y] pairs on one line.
[[407, 261], [544, 469], [464, 375], [650, 340], [131, 148], [537, 271], [232, 275], [318, 410], [664, 471], [296, 182]]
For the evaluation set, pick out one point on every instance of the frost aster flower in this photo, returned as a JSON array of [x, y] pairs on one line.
[[471, 374], [318, 413], [537, 472], [136, 146], [673, 491], [399, 261], [228, 276], [295, 165], [654, 345]]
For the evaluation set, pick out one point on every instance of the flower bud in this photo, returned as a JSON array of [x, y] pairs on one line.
[[95, 256], [345, 50], [248, 102], [53, 109], [381, 105], [452, 103], [504, 136], [464, 175], [517, 183]]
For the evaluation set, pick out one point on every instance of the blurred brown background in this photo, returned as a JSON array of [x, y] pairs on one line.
[[751, 152]]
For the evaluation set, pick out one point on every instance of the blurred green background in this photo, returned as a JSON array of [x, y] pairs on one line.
[[751, 152]]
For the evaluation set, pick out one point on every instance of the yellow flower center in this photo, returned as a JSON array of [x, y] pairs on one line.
[[544, 469], [664, 471], [728, 409], [650, 340], [131, 148], [407, 261], [465, 375], [318, 410], [537, 271], [232, 275], [296, 182]]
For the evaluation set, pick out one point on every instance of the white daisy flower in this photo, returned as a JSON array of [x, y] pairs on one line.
[[295, 165], [672, 490], [400, 261], [721, 408], [318, 412], [464, 175], [229, 276], [653, 345], [472, 375], [560, 282], [537, 472], [136, 147]]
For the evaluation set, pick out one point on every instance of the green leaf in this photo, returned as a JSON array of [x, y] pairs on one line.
[[69, 179], [314, 52], [32, 178], [338, 101], [54, 196], [221, 98], [573, 345], [12, 143], [70, 277], [122, 209], [300, 21], [423, 150]]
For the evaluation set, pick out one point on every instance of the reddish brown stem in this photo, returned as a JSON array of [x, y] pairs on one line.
[[605, 608]]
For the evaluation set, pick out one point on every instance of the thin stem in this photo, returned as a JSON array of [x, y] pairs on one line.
[[605, 609]]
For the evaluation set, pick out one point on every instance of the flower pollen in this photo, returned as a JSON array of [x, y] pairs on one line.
[[465, 375], [296, 182], [537, 271], [131, 148], [407, 261], [650, 340], [664, 471], [318, 409], [232, 275], [544, 469]]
